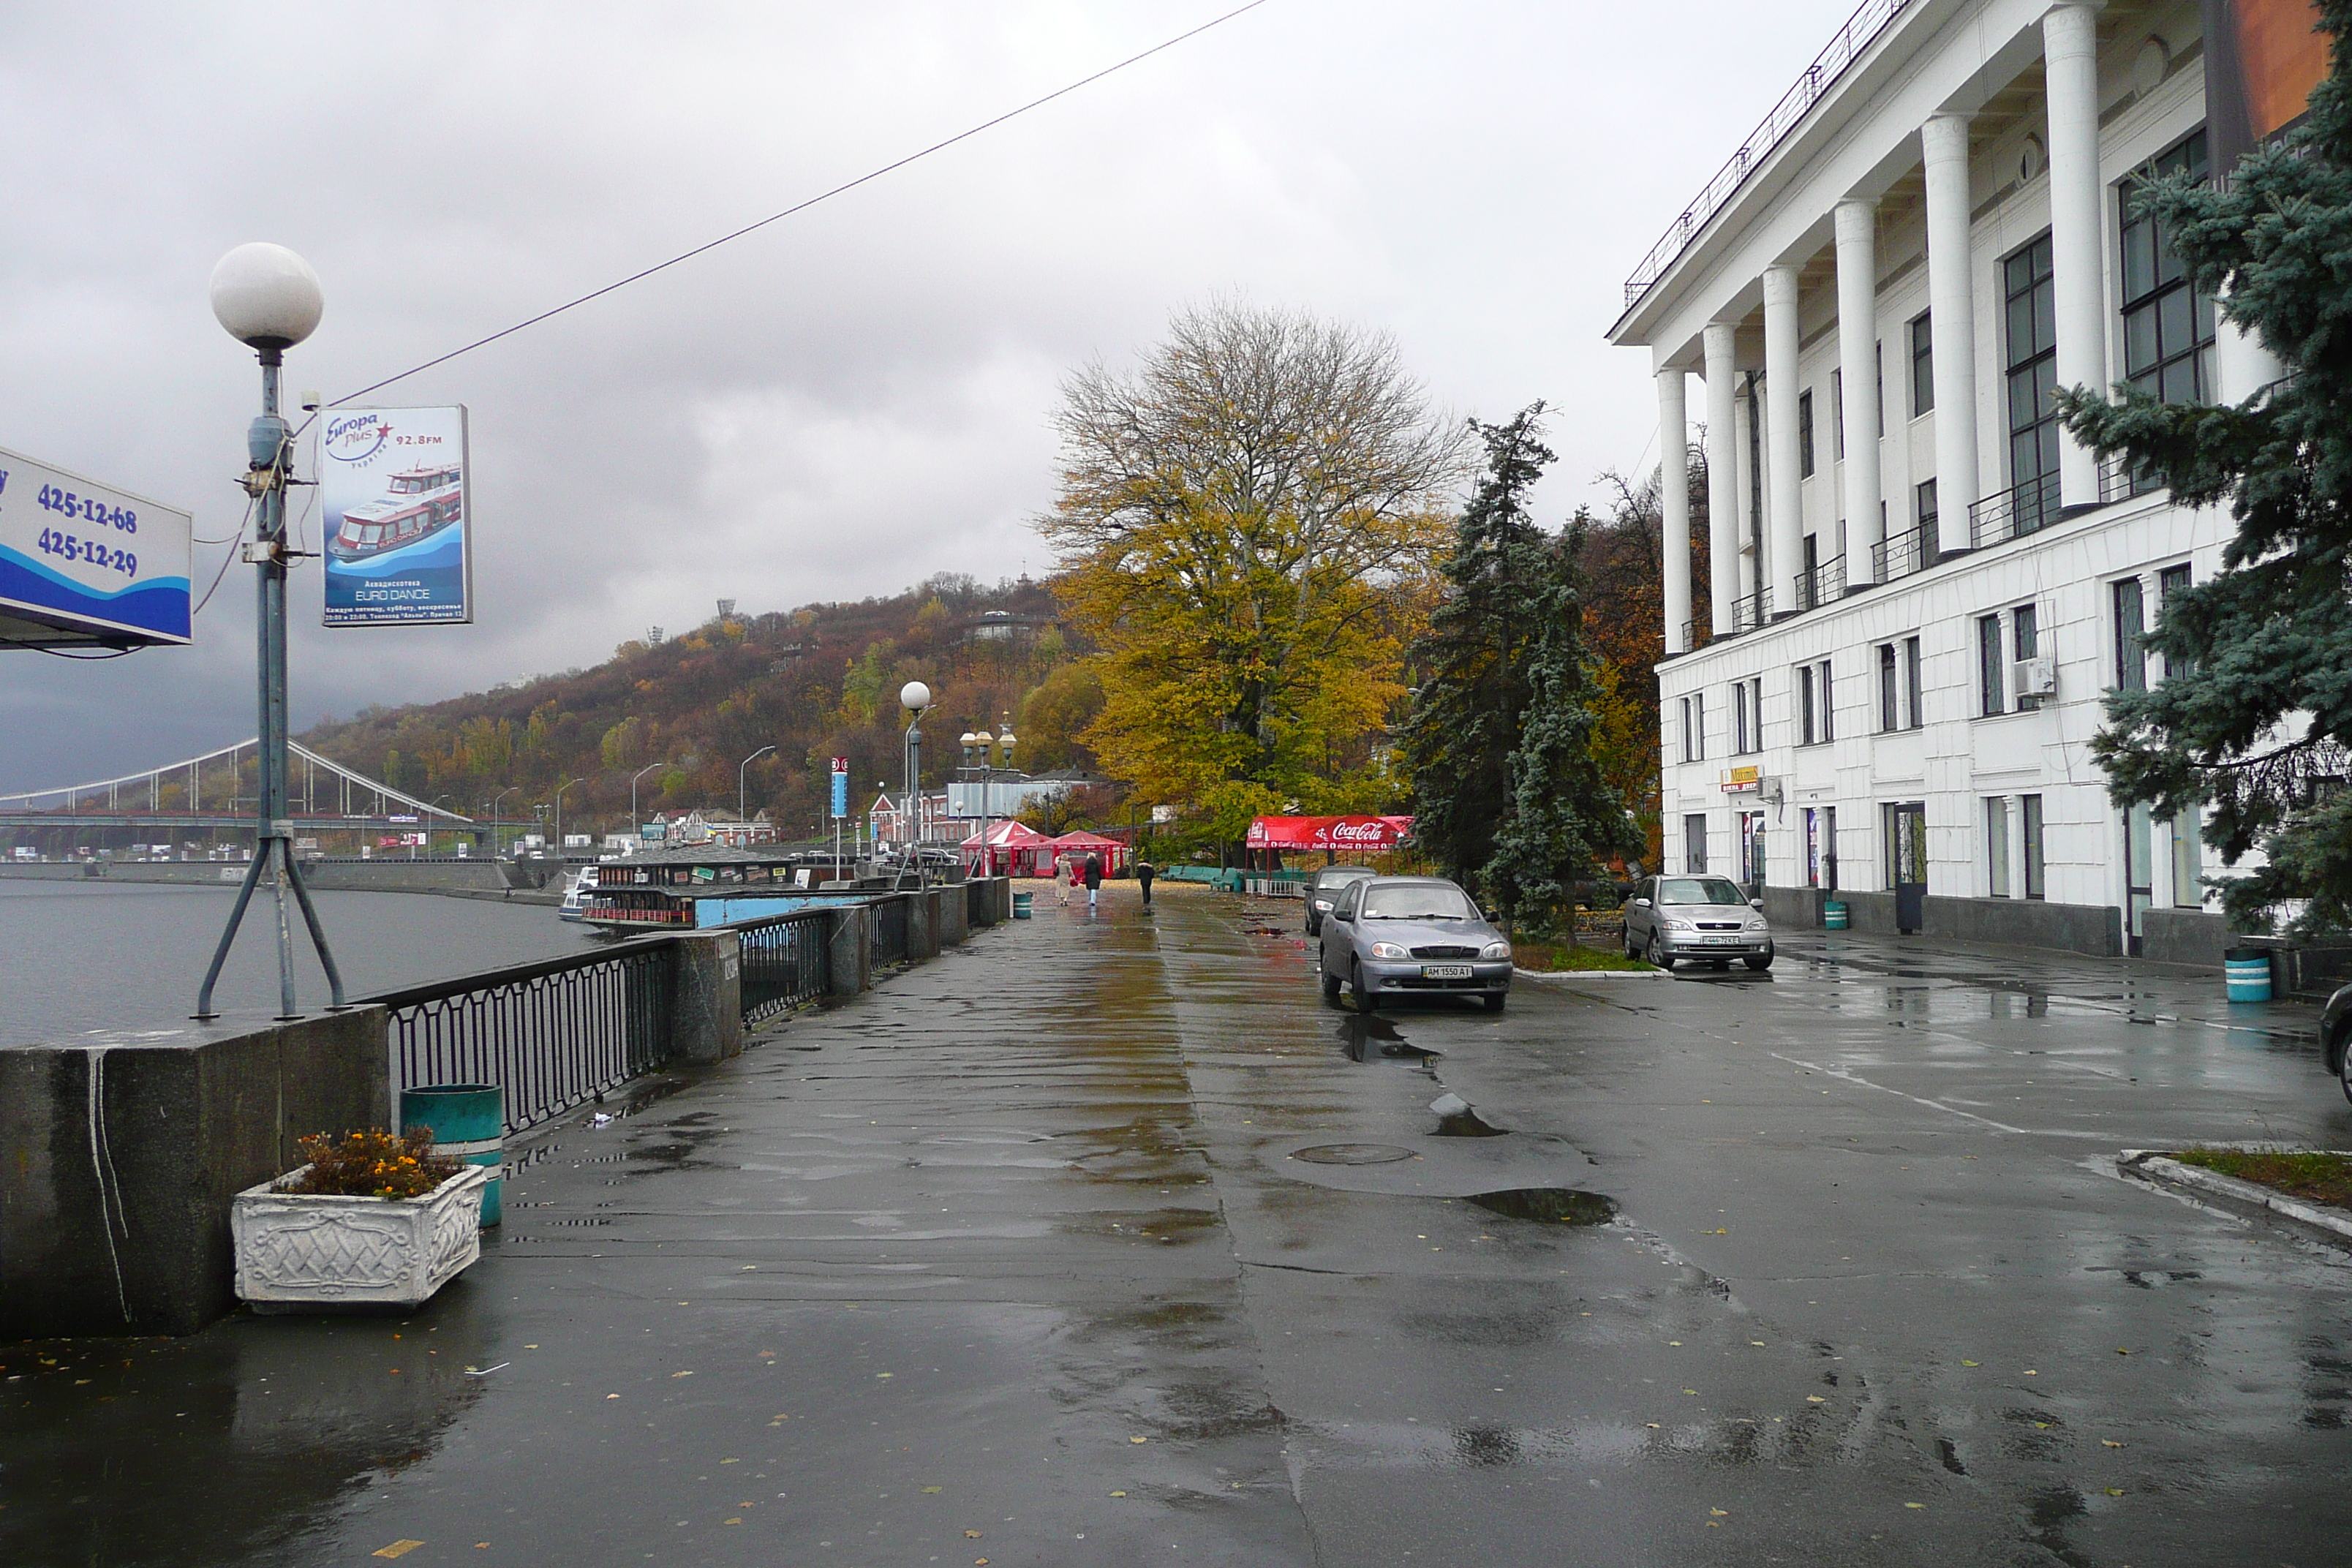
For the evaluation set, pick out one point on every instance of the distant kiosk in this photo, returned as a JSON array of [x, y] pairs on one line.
[[85, 565]]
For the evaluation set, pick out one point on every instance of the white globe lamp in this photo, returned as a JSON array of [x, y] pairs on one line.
[[914, 696], [267, 297]]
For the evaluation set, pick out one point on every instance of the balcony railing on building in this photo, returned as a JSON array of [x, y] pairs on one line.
[[1860, 31], [1751, 611], [1900, 554], [1824, 584], [2034, 505]]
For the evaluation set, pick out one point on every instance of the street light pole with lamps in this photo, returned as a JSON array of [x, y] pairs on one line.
[[916, 699], [495, 850], [268, 298], [742, 812], [633, 793], [559, 816]]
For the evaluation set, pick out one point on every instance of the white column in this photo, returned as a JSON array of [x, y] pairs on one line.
[[1857, 285], [1784, 500], [2070, 47], [1674, 505], [1722, 475], [1952, 323], [2241, 365]]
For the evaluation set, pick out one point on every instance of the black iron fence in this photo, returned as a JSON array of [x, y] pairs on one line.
[[889, 918], [551, 1034], [1825, 583], [1900, 554], [1753, 611], [786, 962]]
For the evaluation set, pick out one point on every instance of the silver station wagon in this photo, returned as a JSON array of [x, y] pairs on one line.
[[1386, 937], [1672, 919]]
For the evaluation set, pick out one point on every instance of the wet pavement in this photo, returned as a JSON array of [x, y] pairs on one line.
[[1106, 1241]]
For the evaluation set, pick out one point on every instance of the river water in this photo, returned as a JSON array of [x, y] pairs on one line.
[[77, 956]]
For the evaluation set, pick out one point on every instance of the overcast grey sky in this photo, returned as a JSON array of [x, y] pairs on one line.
[[848, 401]]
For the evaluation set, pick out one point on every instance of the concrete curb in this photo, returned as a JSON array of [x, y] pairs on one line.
[[2157, 1166], [1570, 976]]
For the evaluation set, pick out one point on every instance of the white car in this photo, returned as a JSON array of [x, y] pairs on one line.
[[1670, 920]]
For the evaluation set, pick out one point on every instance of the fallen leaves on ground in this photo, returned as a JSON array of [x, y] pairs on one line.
[[397, 1549]]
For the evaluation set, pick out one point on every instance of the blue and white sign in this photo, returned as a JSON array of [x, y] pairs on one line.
[[840, 787], [88, 561], [393, 484]]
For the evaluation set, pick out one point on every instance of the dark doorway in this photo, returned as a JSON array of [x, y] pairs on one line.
[[1906, 824]]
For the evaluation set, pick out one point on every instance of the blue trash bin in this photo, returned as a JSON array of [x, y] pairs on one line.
[[2248, 976], [468, 1125]]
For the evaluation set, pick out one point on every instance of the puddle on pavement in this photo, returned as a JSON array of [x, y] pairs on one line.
[[1372, 1039], [1549, 1205]]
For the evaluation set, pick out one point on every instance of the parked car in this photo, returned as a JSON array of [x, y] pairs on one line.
[[1324, 890], [2335, 1037], [1672, 919], [1412, 936]]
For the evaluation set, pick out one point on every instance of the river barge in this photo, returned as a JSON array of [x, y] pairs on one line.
[[693, 887]]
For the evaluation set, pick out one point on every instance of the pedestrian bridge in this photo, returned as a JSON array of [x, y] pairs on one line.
[[215, 791]]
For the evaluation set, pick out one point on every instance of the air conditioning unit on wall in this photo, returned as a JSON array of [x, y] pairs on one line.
[[2034, 678]]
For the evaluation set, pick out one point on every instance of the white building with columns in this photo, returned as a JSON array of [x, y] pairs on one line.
[[1920, 589]]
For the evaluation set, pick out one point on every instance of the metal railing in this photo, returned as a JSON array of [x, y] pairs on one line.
[[1860, 31], [1753, 611], [1900, 554], [2012, 513], [889, 918], [551, 1034], [786, 962], [2117, 482], [1824, 584]]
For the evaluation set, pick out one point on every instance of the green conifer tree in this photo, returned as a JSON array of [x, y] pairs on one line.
[[2254, 713], [1563, 812], [1473, 663]]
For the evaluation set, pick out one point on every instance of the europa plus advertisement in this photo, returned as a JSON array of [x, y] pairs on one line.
[[393, 483]]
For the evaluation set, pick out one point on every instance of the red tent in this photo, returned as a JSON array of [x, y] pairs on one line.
[[1083, 844], [1368, 834], [1012, 849]]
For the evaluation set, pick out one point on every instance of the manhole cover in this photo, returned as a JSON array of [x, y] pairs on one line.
[[1352, 1154]]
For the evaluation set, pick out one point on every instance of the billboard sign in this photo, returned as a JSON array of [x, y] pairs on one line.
[[396, 490], [81, 562], [840, 787]]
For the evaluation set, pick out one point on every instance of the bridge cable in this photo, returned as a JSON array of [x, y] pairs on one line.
[[802, 206]]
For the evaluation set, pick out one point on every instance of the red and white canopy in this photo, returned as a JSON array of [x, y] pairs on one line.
[[1368, 834]]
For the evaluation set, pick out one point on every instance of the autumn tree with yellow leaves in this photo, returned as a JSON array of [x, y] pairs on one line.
[[1247, 522]]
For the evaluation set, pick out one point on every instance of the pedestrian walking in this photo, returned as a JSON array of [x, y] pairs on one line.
[[1144, 873], [1094, 879], [1064, 877]]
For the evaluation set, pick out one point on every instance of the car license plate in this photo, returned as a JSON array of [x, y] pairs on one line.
[[1446, 971], [1720, 941]]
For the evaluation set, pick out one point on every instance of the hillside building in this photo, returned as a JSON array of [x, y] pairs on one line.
[[1920, 589]]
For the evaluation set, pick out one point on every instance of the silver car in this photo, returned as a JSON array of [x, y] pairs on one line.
[[1412, 936], [1670, 920], [1323, 891]]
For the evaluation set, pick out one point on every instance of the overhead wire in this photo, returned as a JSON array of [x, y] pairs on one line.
[[802, 206]]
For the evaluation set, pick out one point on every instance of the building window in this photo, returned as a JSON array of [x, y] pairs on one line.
[[1878, 378], [1694, 713], [1923, 366], [1837, 414], [2188, 864], [2029, 810], [2032, 378], [1804, 705], [1923, 507], [1996, 812], [1805, 434], [1988, 644], [1890, 687], [1915, 710], [2131, 630], [1743, 720], [1695, 842], [2167, 323], [2168, 582], [1751, 851], [2025, 642], [1829, 708]]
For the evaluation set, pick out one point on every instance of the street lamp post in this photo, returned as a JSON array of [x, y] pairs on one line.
[[268, 298], [495, 850], [559, 816], [633, 793], [742, 811], [916, 699]]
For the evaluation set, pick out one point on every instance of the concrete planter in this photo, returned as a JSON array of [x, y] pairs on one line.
[[298, 1251]]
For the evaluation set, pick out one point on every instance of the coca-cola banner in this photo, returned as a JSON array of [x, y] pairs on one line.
[[1364, 834]]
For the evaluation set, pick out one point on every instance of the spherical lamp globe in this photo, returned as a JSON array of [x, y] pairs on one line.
[[266, 296], [914, 696]]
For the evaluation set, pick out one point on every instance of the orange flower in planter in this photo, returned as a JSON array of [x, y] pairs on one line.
[[372, 1163]]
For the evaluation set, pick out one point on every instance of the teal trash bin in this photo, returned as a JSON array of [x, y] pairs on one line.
[[1833, 915], [468, 1125], [1021, 906], [2248, 976]]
